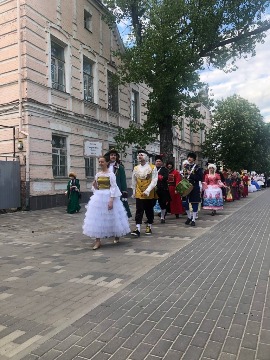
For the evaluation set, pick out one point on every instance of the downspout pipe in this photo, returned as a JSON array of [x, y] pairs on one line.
[[19, 63], [27, 156]]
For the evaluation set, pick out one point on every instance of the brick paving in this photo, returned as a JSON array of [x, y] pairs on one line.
[[182, 293]]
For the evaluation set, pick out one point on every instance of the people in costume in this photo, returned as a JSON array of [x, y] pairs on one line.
[[245, 180], [259, 180], [235, 185], [105, 215], [73, 194], [212, 198], [228, 182], [162, 189], [175, 204], [119, 171], [144, 181], [194, 174]]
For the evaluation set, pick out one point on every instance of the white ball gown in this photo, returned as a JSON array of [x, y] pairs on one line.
[[99, 222]]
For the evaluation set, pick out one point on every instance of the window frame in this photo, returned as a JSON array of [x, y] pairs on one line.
[[87, 169], [135, 106], [58, 64], [61, 153], [87, 20], [113, 98], [90, 78], [134, 158], [182, 129]]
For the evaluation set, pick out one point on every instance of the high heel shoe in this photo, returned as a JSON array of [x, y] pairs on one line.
[[116, 240]]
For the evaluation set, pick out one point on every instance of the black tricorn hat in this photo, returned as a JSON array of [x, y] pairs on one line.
[[112, 151], [170, 163], [142, 151], [158, 157], [192, 155]]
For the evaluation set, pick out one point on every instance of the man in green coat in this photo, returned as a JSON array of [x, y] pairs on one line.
[[119, 171]]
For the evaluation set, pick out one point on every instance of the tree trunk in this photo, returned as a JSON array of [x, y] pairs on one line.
[[166, 138]]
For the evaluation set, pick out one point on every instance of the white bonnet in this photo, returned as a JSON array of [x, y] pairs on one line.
[[212, 166]]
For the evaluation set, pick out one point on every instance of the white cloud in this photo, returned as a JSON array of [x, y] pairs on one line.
[[251, 80]]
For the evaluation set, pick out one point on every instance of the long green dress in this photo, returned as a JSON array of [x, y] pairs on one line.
[[73, 197]]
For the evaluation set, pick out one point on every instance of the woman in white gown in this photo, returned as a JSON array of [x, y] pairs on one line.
[[105, 215]]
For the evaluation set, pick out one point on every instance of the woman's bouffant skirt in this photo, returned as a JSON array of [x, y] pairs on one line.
[[99, 222]]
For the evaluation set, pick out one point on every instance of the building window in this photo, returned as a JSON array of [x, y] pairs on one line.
[[87, 20], [182, 129], [90, 166], [58, 66], [112, 93], [191, 135], [59, 155], [134, 157], [88, 80], [202, 136], [135, 106]]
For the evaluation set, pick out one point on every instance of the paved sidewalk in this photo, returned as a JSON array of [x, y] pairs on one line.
[[184, 293]]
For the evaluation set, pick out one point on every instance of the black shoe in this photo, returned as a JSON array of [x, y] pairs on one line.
[[162, 221], [135, 233], [188, 221], [148, 230], [177, 216], [192, 223]]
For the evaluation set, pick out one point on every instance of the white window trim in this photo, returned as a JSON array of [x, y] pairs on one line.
[[67, 57]]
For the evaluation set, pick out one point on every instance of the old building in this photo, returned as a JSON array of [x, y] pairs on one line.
[[59, 105], [57, 91]]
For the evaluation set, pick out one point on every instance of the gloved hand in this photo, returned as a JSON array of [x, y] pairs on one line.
[[124, 195]]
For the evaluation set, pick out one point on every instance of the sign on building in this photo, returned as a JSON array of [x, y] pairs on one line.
[[92, 148]]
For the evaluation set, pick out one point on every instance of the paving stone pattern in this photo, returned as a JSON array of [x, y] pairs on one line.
[[183, 293]]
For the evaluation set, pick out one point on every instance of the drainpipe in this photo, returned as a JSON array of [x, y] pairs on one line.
[[27, 166], [19, 63]]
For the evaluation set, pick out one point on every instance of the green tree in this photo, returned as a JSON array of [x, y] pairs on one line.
[[239, 137], [171, 41]]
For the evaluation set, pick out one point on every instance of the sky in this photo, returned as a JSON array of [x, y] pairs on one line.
[[251, 80]]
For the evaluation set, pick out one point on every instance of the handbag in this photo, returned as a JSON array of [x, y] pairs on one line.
[[184, 187]]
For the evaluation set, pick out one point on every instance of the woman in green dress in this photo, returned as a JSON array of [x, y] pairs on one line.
[[73, 193]]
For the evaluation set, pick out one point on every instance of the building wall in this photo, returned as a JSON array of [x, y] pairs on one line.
[[38, 111], [33, 106]]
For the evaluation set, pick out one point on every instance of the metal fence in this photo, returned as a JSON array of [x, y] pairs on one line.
[[10, 191]]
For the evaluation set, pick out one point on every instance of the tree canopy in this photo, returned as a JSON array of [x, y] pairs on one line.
[[171, 41], [239, 137]]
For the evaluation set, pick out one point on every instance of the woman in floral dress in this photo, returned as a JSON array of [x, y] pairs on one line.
[[212, 199]]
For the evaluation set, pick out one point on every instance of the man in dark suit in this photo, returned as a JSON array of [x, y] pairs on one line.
[[119, 171], [162, 189], [194, 174]]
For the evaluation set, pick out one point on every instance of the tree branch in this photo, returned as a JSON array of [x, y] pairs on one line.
[[206, 51]]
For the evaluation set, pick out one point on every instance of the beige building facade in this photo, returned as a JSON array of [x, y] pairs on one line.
[[59, 106]]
